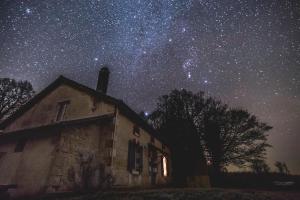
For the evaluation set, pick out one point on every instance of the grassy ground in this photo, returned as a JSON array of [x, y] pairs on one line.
[[187, 194]]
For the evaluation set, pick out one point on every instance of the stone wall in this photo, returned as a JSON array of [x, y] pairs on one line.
[[83, 159], [44, 112], [27, 169], [58, 159], [124, 133]]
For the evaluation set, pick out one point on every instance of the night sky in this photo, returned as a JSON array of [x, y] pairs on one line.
[[246, 53]]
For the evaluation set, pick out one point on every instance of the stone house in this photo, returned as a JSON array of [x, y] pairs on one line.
[[70, 137]]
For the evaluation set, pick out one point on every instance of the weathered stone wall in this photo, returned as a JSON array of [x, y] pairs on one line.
[[45, 111], [27, 169], [83, 159], [124, 133], [57, 161]]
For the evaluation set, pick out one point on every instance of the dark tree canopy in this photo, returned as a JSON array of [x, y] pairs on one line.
[[199, 123], [233, 136], [176, 117], [259, 166], [13, 94], [282, 167]]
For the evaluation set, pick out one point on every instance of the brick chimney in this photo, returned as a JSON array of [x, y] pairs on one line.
[[103, 80]]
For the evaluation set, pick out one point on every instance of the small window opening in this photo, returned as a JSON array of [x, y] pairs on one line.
[[62, 107], [20, 145], [136, 130], [2, 154]]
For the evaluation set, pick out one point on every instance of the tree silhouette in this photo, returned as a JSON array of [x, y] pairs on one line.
[[176, 118], [259, 166], [192, 123], [232, 136], [282, 167], [13, 94]]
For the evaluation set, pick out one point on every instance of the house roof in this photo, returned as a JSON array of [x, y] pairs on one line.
[[124, 109]]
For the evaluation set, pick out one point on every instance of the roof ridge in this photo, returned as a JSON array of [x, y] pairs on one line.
[[124, 108]]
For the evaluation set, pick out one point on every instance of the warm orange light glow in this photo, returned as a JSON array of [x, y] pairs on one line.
[[165, 172]]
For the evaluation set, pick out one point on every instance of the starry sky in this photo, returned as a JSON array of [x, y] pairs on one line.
[[245, 52]]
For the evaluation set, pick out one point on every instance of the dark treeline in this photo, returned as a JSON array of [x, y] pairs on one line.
[[199, 129], [250, 180]]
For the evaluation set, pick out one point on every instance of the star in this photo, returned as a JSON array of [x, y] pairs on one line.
[[28, 10], [219, 47]]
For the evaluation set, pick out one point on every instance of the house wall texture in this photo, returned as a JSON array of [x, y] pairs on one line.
[[124, 133], [83, 158], [44, 112], [31, 169], [73, 157], [27, 169]]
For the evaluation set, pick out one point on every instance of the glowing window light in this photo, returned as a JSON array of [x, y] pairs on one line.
[[165, 171]]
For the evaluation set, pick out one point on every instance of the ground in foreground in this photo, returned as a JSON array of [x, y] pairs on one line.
[[187, 194]]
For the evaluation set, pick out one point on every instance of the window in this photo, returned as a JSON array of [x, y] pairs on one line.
[[136, 130], [2, 154], [135, 157], [20, 145], [164, 166], [62, 107]]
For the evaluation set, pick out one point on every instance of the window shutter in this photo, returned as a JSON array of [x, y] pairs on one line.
[[141, 160], [129, 159], [131, 155], [162, 165], [168, 166], [128, 155]]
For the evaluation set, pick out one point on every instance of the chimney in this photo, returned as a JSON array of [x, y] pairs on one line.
[[103, 80]]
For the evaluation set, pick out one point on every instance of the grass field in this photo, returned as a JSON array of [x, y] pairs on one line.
[[186, 194]]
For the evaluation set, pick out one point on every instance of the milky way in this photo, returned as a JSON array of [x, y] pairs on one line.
[[246, 53]]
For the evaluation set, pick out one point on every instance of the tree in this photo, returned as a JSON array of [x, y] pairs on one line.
[[282, 167], [13, 94], [232, 136], [259, 166], [286, 170], [195, 122], [174, 118]]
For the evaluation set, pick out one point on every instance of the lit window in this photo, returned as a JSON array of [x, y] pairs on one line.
[[164, 166], [62, 107]]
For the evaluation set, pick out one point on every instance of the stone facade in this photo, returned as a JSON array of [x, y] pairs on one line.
[[123, 134], [86, 149]]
